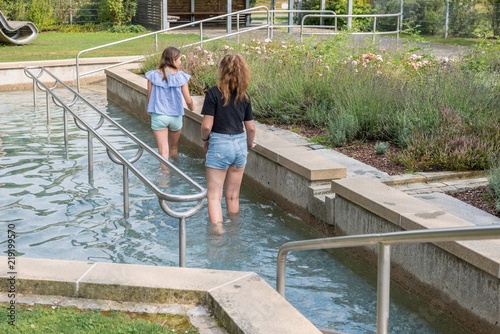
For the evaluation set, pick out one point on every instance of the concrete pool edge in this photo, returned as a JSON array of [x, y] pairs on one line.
[[327, 209], [284, 173], [241, 301], [12, 76]]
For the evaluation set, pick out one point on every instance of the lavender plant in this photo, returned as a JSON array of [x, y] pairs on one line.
[[442, 114]]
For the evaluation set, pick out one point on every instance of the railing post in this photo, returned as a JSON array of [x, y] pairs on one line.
[[201, 35], [34, 93], [238, 26], [383, 288], [77, 69], [125, 192], [65, 125], [90, 151], [182, 242], [229, 18], [47, 106], [399, 30], [280, 273]]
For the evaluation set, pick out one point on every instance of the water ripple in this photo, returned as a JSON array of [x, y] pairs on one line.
[[61, 212]]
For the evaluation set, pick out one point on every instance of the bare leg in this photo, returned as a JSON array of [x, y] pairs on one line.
[[232, 191], [173, 143], [162, 137], [215, 183]]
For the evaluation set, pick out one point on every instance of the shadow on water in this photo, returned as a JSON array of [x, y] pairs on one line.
[[45, 191]]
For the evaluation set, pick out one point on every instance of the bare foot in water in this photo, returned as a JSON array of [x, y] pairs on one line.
[[216, 228]]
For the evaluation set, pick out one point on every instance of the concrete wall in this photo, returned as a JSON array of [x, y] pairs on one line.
[[461, 278]]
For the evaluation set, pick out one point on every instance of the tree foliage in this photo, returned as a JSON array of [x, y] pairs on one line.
[[118, 12]]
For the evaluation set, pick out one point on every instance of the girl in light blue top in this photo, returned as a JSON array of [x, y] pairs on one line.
[[167, 87]]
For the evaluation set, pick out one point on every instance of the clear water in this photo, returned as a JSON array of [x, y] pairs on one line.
[[45, 192]]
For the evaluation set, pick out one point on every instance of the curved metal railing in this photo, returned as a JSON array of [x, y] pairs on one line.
[[165, 199], [273, 15], [384, 241], [187, 25]]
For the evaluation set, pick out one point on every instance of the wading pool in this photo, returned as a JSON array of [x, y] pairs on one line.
[[58, 214]]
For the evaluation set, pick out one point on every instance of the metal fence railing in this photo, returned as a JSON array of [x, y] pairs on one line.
[[333, 29]]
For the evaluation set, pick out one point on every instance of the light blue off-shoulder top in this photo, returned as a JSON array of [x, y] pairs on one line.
[[166, 95]]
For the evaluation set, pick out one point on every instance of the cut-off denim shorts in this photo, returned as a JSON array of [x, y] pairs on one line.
[[226, 150], [160, 122]]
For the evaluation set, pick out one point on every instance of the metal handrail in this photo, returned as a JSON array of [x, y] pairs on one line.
[[374, 31], [269, 25], [384, 241], [156, 33], [118, 158]]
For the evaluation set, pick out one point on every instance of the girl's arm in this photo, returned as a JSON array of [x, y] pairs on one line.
[[250, 130], [150, 85], [187, 97], [206, 128]]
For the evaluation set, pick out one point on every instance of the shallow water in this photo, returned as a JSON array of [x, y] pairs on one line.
[[45, 192]]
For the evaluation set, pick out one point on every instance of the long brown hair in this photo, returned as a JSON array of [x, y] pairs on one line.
[[168, 57], [234, 77]]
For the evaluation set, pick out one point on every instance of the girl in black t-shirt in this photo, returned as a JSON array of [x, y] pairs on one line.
[[228, 131]]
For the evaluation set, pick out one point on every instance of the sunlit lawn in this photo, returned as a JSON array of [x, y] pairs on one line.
[[55, 45]]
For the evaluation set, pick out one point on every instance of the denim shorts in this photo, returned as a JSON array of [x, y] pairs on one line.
[[160, 122], [226, 150]]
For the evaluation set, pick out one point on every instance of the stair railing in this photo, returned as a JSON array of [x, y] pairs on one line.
[[384, 242], [113, 153]]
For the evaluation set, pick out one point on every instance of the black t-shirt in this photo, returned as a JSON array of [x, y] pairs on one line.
[[228, 119]]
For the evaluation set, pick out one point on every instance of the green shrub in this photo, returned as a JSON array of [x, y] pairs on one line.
[[87, 27], [42, 15], [133, 28], [17, 10], [443, 115], [453, 144], [483, 57], [381, 147], [494, 183], [342, 129], [118, 12]]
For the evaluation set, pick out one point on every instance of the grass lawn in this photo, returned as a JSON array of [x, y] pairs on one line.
[[54, 45], [54, 320]]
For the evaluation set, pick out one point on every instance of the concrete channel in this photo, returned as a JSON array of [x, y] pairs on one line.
[[322, 187]]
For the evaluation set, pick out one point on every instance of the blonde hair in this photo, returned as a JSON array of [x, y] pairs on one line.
[[234, 77], [168, 58]]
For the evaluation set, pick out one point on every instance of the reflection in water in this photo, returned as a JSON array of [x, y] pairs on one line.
[[44, 191], [2, 152]]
